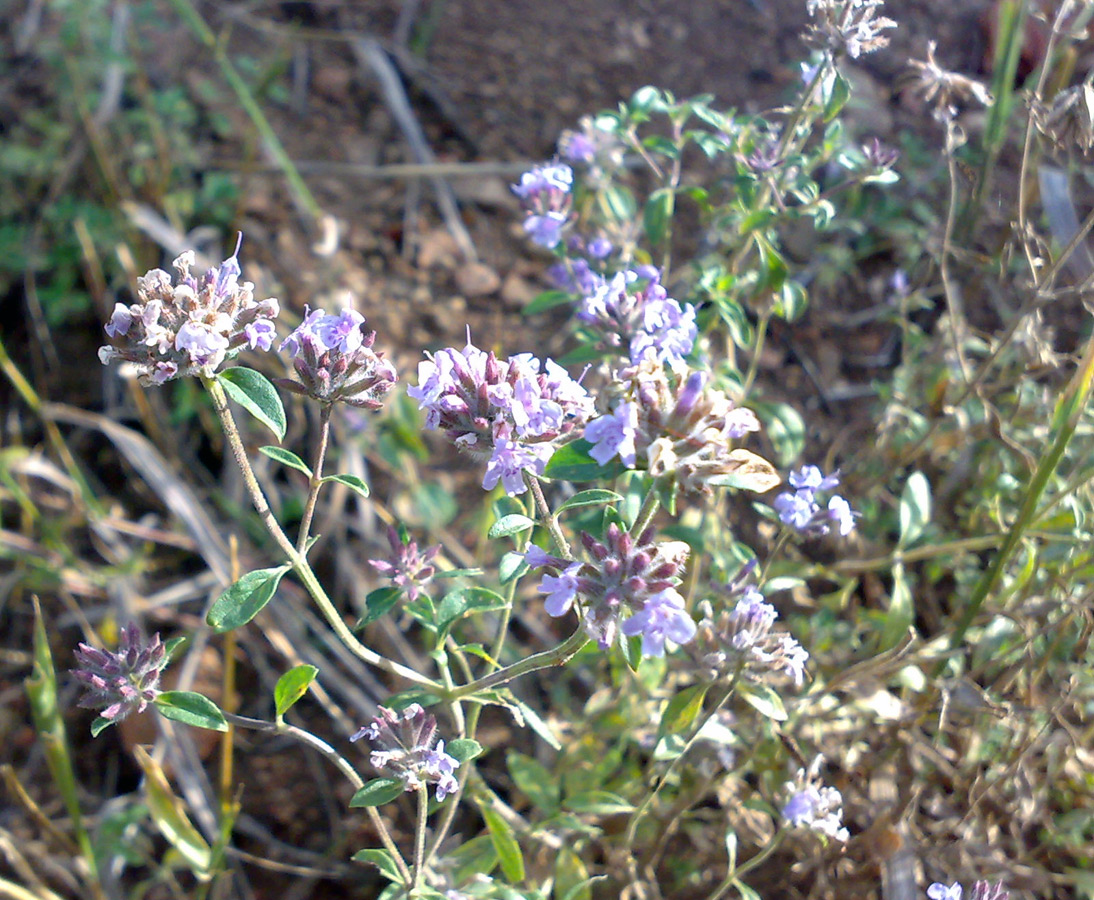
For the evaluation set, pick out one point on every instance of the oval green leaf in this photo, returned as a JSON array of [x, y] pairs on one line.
[[292, 686], [351, 481], [463, 749], [505, 844], [286, 458], [383, 860], [378, 792], [253, 391], [682, 710], [191, 709], [764, 700], [378, 603], [571, 462], [244, 599], [509, 525]]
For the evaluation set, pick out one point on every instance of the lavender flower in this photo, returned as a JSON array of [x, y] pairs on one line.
[[663, 617], [625, 575], [740, 641], [191, 326], [406, 567], [124, 681], [634, 315], [333, 358], [509, 413], [598, 151], [406, 747], [544, 193], [814, 806], [981, 890], [672, 424], [803, 512]]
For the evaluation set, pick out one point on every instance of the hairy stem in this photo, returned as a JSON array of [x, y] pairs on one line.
[[316, 478]]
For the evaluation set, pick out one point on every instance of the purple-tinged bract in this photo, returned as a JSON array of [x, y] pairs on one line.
[[124, 681]]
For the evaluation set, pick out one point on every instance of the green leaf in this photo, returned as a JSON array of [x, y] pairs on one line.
[[901, 613], [510, 525], [619, 203], [785, 428], [837, 97], [169, 814], [174, 644], [534, 721], [915, 508], [474, 857], [353, 482], [383, 860], [512, 566], [546, 300], [534, 781], [632, 652], [253, 391], [594, 497], [764, 699], [292, 686], [378, 792], [465, 600], [572, 880], [378, 603], [191, 709], [682, 710], [505, 844], [245, 599], [99, 725], [463, 749], [571, 462], [599, 803], [657, 215], [286, 458]]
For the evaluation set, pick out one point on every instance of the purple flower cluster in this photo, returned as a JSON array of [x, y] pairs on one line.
[[544, 193], [406, 747], [814, 806], [407, 568], [124, 681], [599, 152], [333, 358], [189, 327], [507, 412], [626, 575], [981, 890], [673, 424], [803, 512], [741, 641], [634, 315]]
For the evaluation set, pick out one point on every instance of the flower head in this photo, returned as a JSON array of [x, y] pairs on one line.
[[406, 747], [544, 193], [670, 422], [508, 412], [742, 640], [124, 681], [334, 361], [981, 890], [848, 26], [802, 511], [814, 806], [407, 568], [945, 90], [191, 326], [634, 316], [625, 576]]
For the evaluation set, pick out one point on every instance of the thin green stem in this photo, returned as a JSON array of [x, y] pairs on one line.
[[547, 517], [419, 838], [316, 478], [299, 563], [557, 656], [733, 876], [754, 363]]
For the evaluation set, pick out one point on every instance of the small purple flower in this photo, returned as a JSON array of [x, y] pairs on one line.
[[260, 334], [663, 617], [542, 179], [124, 681], [120, 321], [545, 230], [802, 511], [510, 460], [205, 346], [814, 806], [614, 434], [599, 248], [407, 568], [406, 747], [561, 590], [938, 891]]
